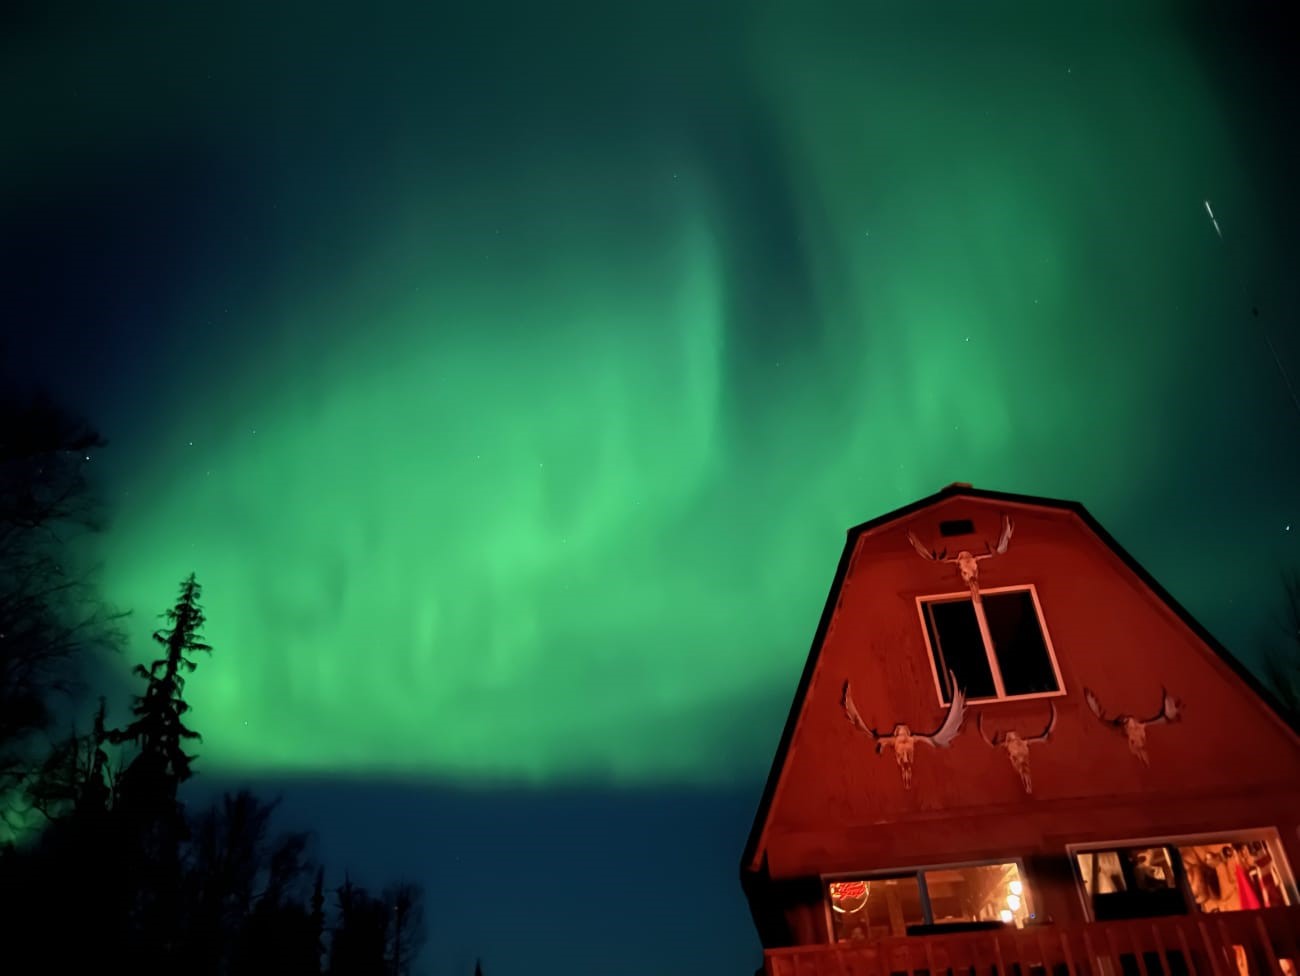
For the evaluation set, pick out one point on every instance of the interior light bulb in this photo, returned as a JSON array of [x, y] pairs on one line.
[[1005, 915], [1016, 888], [1013, 902]]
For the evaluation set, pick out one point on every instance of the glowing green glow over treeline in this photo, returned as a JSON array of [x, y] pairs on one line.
[[536, 373]]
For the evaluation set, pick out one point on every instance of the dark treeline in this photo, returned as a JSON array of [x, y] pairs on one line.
[[103, 868]]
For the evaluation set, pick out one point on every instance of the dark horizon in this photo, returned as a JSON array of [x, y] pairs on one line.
[[594, 858]]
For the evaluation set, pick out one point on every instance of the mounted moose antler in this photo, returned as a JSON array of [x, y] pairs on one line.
[[967, 563], [1171, 710], [902, 739], [1017, 746]]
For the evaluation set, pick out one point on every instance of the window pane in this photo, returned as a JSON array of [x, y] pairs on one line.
[[957, 645], [1101, 871], [871, 908], [1131, 882], [981, 893], [1018, 643], [1152, 868], [1229, 875]]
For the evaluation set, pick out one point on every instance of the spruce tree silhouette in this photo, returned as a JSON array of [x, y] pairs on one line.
[[76, 778], [318, 916], [148, 812], [96, 794], [150, 890], [406, 933], [151, 780], [358, 945]]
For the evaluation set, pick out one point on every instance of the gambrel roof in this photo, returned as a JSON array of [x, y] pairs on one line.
[[752, 859]]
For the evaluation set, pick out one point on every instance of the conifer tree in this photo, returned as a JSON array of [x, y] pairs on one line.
[[158, 729], [152, 819], [96, 793], [318, 915], [75, 777], [359, 939], [405, 904]]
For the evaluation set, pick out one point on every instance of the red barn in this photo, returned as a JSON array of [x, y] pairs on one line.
[[1012, 751]]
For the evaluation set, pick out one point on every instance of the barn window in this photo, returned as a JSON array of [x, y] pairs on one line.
[[927, 900], [868, 908], [1131, 882], [996, 646], [1209, 873]]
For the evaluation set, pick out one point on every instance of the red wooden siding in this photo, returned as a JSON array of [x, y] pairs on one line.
[[1230, 763]]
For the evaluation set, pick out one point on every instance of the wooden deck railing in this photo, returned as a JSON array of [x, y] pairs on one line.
[[1251, 943]]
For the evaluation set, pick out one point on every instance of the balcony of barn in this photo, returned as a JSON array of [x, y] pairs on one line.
[[1259, 942]]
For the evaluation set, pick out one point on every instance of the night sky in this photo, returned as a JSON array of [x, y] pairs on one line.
[[510, 377]]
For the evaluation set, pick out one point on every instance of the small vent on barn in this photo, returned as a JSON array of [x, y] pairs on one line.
[[956, 527]]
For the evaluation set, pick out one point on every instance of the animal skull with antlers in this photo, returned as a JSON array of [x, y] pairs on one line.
[[1017, 746], [1135, 729], [902, 739], [967, 562]]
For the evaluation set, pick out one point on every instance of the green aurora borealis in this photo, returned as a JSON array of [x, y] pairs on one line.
[[514, 376]]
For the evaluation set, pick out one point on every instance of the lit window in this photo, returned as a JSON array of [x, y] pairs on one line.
[[871, 908], [1131, 882], [980, 895], [1233, 872], [997, 646]]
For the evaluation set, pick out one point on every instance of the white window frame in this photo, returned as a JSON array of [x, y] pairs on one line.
[[917, 872], [1270, 835], [1000, 692]]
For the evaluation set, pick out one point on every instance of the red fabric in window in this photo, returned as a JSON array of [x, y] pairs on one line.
[[1249, 896]]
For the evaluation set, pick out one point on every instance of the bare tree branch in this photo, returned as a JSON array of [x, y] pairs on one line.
[[51, 615]]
